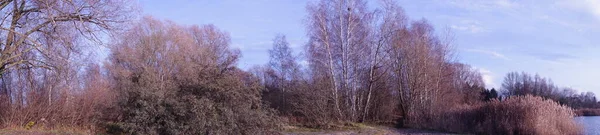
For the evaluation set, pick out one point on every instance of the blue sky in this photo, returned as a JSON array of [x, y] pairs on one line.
[[555, 38]]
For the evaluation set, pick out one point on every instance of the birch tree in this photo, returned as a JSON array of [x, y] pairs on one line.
[[387, 23], [339, 30]]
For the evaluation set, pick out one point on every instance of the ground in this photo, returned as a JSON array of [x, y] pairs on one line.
[[39, 132], [360, 130], [352, 129]]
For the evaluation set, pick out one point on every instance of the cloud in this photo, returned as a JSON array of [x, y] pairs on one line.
[[491, 53], [561, 21], [483, 5], [593, 6], [590, 6], [487, 76], [471, 26], [553, 57], [505, 3]]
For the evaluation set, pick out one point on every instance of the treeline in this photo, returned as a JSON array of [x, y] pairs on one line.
[[519, 84], [377, 66], [366, 66], [370, 65]]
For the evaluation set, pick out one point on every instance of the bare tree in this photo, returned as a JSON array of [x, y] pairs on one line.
[[340, 30], [468, 81], [41, 55], [387, 23], [419, 59], [47, 34], [36, 26], [285, 70]]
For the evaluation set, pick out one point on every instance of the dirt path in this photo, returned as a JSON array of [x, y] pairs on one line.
[[370, 130]]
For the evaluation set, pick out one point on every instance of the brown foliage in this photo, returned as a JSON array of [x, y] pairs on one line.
[[83, 109], [174, 79], [44, 76], [515, 115]]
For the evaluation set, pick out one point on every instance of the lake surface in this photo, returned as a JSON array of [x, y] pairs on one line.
[[590, 123]]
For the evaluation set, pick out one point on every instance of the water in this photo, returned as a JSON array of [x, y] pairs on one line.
[[591, 124]]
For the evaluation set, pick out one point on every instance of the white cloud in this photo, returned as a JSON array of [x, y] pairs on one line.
[[488, 77], [590, 6], [505, 3], [593, 6], [491, 53], [484, 5], [470, 26]]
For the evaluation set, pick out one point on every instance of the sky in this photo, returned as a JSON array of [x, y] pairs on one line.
[[557, 39]]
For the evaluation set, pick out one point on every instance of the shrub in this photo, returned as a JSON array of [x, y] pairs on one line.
[[114, 128], [173, 79], [515, 115], [311, 109]]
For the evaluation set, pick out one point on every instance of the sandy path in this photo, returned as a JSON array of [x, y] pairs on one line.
[[373, 131]]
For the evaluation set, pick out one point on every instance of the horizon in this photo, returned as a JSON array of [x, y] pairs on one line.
[[553, 39]]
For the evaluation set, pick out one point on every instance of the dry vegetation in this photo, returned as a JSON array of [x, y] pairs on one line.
[[587, 112], [365, 65], [173, 79], [515, 115]]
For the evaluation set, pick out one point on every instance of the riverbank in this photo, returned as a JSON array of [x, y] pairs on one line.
[[587, 112]]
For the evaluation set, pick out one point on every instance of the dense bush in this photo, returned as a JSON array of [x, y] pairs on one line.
[[174, 79], [515, 115]]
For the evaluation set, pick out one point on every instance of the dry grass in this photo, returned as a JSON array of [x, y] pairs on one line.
[[43, 131], [516, 115], [348, 126]]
